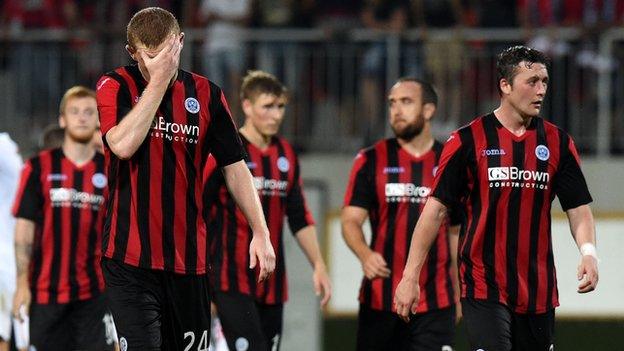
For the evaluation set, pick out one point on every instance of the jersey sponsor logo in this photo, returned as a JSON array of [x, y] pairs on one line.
[[393, 170], [542, 152], [406, 192], [493, 152], [191, 105], [172, 131], [56, 176], [270, 187], [99, 180], [517, 178], [70, 197], [282, 164]]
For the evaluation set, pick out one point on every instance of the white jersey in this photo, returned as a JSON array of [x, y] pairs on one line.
[[10, 167]]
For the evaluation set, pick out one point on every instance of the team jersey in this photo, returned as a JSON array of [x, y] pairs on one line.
[[276, 176], [507, 184], [393, 186], [154, 215], [66, 202]]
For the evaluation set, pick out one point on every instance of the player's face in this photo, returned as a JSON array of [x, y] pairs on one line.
[[406, 110], [266, 113], [80, 119], [528, 90]]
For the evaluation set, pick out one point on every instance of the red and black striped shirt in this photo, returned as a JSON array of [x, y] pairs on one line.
[[277, 178], [66, 202], [507, 184], [393, 186], [154, 216]]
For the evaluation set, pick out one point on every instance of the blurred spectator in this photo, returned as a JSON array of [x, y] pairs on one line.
[[495, 13], [10, 166], [389, 16], [443, 57], [38, 63], [224, 54], [337, 15]]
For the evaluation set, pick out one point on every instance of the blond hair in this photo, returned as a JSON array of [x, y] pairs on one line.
[[77, 91]]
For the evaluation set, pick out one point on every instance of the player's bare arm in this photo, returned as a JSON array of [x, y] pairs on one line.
[[584, 233], [453, 234], [125, 138], [308, 241], [373, 264], [24, 238], [240, 184], [407, 293]]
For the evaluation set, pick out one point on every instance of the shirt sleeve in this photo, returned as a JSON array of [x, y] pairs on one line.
[[213, 179], [569, 184], [113, 102], [451, 177], [299, 216], [28, 199], [361, 188], [225, 143]]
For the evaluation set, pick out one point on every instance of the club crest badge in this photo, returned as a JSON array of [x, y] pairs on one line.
[[191, 105]]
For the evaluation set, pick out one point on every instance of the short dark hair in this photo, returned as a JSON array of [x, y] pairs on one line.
[[257, 82], [509, 59], [429, 95]]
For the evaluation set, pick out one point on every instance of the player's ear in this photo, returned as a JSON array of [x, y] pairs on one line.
[[182, 39], [505, 86], [247, 107], [428, 111], [61, 121], [131, 51]]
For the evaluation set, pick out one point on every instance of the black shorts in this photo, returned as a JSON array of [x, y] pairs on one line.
[[493, 326], [78, 325], [247, 324], [158, 310], [384, 330]]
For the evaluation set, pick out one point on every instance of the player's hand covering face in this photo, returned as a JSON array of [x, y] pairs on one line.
[[160, 63]]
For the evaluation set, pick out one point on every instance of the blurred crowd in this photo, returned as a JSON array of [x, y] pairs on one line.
[[221, 52], [104, 15]]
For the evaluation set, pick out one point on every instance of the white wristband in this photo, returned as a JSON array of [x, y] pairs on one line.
[[589, 249]]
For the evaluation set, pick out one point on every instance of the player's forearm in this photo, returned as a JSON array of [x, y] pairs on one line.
[[424, 234], [24, 238], [240, 185], [354, 238], [453, 243], [582, 225], [126, 137], [308, 241]]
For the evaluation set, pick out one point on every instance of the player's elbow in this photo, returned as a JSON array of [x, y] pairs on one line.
[[122, 151]]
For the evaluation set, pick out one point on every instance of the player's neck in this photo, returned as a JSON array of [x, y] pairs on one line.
[[420, 144], [257, 139], [78, 153], [511, 119]]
